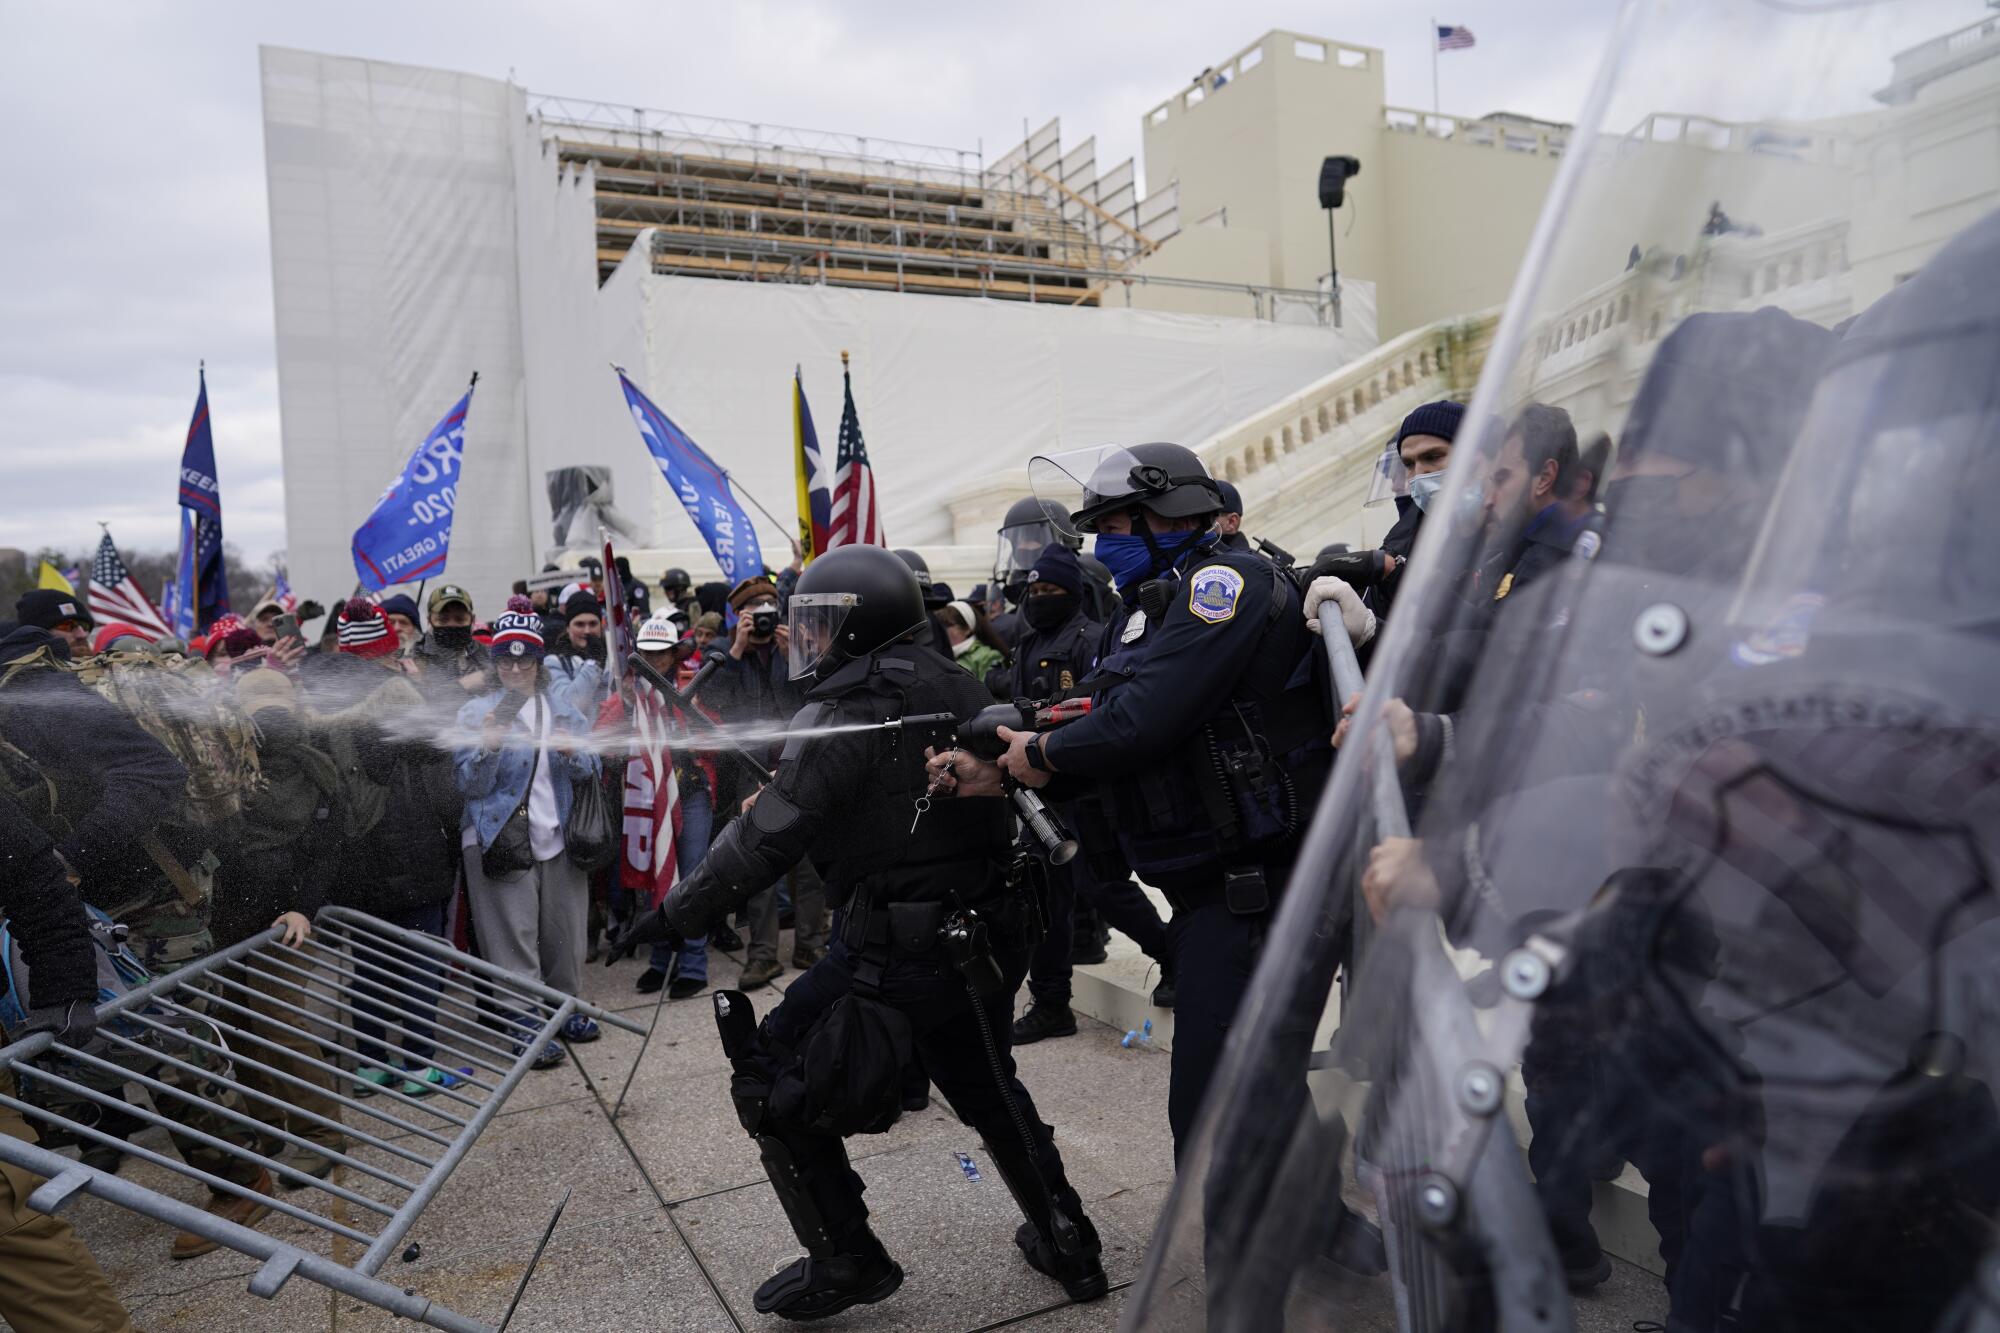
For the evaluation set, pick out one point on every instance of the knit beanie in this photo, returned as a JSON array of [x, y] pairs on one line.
[[1057, 564], [1441, 419], [364, 630], [518, 632], [402, 604], [582, 602]]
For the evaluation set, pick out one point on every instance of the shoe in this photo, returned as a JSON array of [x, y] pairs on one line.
[[580, 1028], [102, 1156], [805, 956], [428, 1082], [369, 1080], [760, 973], [1044, 1020], [316, 1165], [809, 1288], [650, 981], [725, 938], [551, 1056], [1086, 951], [1583, 1274], [1163, 994], [1082, 1275], [686, 988], [229, 1208]]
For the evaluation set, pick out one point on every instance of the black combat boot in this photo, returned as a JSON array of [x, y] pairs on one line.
[[1044, 1020], [813, 1287], [1063, 1244]]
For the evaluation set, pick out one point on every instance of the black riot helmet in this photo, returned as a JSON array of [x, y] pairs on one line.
[[1031, 525], [675, 583], [1168, 479], [848, 603]]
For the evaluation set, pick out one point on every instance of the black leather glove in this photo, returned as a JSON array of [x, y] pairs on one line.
[[74, 1023], [310, 610], [652, 928], [593, 648]]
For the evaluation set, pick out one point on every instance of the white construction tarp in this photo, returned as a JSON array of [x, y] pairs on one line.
[[950, 391], [393, 268]]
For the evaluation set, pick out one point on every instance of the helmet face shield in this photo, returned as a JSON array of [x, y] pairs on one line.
[[1391, 478], [814, 623], [1019, 544]]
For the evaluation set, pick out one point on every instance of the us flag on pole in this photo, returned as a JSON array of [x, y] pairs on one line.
[[1453, 38], [115, 596], [855, 520]]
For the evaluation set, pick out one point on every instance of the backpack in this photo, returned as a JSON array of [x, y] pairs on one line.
[[175, 700], [118, 971]]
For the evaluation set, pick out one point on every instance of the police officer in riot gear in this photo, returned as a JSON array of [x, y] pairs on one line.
[[921, 888], [1032, 524], [1052, 659], [1207, 741]]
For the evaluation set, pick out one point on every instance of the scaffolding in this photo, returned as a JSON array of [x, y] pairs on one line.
[[753, 202]]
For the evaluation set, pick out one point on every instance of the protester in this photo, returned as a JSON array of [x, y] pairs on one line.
[[63, 614], [576, 662], [530, 902], [455, 665], [973, 643], [754, 684], [400, 820]]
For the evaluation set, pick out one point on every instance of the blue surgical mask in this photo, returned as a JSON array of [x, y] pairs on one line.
[[1130, 559], [1424, 488]]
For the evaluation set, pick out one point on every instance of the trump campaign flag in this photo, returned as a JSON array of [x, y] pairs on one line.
[[815, 504], [408, 536], [703, 488], [204, 584]]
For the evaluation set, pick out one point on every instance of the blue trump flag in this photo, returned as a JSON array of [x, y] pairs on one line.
[[408, 536], [204, 585], [703, 488]]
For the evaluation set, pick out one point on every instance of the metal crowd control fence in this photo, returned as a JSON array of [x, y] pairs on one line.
[[227, 1047]]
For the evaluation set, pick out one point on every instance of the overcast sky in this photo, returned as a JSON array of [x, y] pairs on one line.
[[133, 234]]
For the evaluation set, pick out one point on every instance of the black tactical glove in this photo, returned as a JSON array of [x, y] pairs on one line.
[[74, 1023], [310, 610], [652, 928]]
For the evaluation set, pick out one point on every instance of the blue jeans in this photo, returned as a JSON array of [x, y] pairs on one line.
[[419, 987], [697, 827]]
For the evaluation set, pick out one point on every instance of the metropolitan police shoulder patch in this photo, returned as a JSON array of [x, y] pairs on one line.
[[1212, 593]]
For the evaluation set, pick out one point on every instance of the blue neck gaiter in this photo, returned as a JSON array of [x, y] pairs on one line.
[[1132, 560]]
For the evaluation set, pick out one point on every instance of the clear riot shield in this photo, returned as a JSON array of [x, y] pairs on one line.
[[1705, 801]]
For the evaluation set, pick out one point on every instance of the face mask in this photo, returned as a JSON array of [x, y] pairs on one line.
[[453, 637], [1048, 610], [1130, 559], [1424, 488]]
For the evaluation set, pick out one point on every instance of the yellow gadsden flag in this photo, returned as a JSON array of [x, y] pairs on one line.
[[51, 577]]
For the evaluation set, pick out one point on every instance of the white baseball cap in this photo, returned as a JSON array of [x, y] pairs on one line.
[[659, 632]]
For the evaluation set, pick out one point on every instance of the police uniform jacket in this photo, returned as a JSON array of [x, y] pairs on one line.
[[1218, 677], [1050, 664]]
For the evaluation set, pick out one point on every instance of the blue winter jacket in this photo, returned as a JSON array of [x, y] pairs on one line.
[[495, 783]]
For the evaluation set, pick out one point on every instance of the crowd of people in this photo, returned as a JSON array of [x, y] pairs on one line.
[[450, 775]]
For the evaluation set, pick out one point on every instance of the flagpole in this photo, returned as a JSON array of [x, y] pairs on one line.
[[1435, 111]]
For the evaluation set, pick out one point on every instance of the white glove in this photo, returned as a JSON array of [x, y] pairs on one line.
[[1356, 619]]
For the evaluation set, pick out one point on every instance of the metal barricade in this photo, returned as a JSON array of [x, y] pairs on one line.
[[260, 1025]]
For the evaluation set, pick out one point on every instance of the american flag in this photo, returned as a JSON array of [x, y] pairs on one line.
[[1453, 38], [856, 520], [282, 594], [116, 597]]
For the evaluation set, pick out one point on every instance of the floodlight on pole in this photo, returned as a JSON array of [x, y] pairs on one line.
[[1334, 173]]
